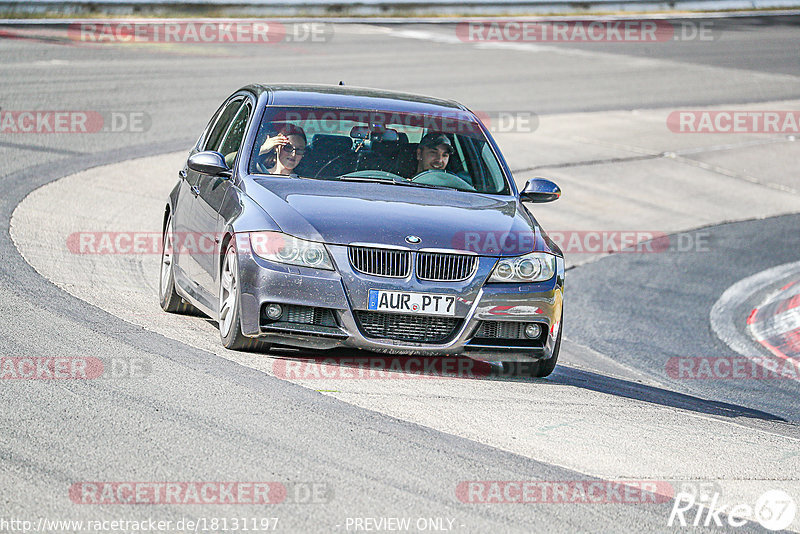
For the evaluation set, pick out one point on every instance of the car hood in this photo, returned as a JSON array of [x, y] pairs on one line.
[[357, 212]]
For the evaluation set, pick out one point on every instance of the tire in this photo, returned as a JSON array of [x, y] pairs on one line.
[[543, 368], [170, 300], [229, 318], [539, 368]]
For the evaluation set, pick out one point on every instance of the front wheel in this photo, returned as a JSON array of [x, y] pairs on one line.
[[539, 368], [230, 326], [543, 368]]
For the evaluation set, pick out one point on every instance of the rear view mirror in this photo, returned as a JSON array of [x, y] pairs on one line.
[[209, 162], [376, 133], [389, 135], [540, 190], [359, 132]]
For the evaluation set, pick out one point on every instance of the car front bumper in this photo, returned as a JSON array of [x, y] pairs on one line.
[[344, 290]]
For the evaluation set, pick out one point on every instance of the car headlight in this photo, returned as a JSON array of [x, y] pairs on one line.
[[533, 267], [284, 248]]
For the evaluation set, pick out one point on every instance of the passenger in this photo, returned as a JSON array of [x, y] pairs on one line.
[[281, 153], [433, 152]]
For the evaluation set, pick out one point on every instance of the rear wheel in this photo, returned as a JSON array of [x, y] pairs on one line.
[[169, 298], [230, 325]]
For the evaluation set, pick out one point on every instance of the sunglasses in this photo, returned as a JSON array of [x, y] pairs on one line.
[[289, 149]]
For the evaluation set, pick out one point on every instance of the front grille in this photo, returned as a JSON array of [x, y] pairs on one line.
[[416, 328], [440, 267], [380, 262], [303, 315]]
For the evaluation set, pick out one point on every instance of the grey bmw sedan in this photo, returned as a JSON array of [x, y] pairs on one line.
[[324, 217]]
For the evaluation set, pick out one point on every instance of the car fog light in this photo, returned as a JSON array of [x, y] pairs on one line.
[[533, 330], [274, 312]]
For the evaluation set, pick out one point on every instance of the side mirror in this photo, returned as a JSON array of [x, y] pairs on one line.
[[540, 190], [209, 162]]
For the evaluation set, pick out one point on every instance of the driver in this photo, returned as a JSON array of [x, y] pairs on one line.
[[281, 153], [433, 152]]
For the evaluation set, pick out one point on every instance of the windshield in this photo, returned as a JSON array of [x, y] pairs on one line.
[[410, 149]]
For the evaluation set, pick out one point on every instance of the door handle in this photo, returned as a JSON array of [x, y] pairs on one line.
[[195, 190], [182, 173]]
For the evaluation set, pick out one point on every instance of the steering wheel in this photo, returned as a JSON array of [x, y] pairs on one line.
[[443, 178], [430, 173], [331, 162], [261, 163]]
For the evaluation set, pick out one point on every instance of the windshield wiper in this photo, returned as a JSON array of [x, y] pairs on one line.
[[390, 181], [346, 178], [429, 186]]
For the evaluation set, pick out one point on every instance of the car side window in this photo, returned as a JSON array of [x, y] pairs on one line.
[[201, 141], [233, 138], [222, 125], [493, 174], [462, 168]]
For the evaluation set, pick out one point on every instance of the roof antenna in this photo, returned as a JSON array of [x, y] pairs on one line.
[[341, 82]]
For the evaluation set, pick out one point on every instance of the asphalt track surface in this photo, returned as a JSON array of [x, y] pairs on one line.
[[201, 417], [678, 289]]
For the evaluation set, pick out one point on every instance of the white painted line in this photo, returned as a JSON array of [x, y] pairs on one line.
[[723, 321], [435, 20], [553, 48]]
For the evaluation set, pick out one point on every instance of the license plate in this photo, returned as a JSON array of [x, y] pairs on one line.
[[414, 303]]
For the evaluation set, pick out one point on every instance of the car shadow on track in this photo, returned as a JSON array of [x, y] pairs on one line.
[[354, 365], [652, 394]]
